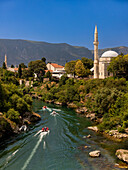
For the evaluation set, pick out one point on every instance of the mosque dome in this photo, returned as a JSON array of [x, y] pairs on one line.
[[110, 54]]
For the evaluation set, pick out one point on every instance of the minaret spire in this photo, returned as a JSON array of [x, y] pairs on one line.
[[5, 60], [96, 58]]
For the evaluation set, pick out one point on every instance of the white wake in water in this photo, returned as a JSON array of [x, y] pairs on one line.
[[54, 114], [50, 109], [35, 148], [56, 110], [44, 145], [10, 157]]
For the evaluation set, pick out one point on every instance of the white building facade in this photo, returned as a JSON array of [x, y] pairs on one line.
[[54, 67], [104, 61]]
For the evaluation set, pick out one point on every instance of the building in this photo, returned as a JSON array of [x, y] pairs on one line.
[[56, 70], [54, 67], [104, 61], [101, 64]]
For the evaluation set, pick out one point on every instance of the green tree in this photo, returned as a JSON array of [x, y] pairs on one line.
[[43, 59], [13, 99], [13, 115], [21, 106], [4, 65], [62, 80], [103, 100], [33, 65], [38, 67], [70, 67], [1, 97], [88, 63], [23, 65], [19, 71], [26, 74], [79, 69], [28, 99], [119, 66], [48, 75]]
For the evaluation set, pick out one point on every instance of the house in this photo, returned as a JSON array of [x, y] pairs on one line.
[[56, 70], [55, 67]]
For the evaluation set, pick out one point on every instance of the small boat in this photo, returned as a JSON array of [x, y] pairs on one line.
[[44, 107], [45, 129]]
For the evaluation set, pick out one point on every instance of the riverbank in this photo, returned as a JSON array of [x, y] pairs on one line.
[[9, 128]]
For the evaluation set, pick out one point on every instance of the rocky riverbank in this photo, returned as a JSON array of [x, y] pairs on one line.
[[9, 128]]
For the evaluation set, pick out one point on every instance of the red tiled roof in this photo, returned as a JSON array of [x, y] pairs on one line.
[[16, 69], [56, 65]]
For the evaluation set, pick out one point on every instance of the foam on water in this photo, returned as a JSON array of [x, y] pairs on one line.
[[57, 109], [35, 148], [10, 157]]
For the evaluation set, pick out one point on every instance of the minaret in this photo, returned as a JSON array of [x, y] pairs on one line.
[[5, 60], [96, 58]]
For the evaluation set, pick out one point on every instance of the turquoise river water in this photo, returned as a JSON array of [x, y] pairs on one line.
[[61, 149]]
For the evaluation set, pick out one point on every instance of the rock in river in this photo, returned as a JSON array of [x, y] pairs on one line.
[[95, 154], [94, 128], [122, 154]]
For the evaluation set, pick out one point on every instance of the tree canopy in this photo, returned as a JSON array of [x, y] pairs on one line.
[[70, 67], [4, 65], [88, 63], [79, 69], [119, 66], [85, 64], [38, 67]]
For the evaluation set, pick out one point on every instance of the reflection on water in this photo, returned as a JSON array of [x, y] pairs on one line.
[[64, 147]]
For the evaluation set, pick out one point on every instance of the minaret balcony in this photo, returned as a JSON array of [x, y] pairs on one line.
[[95, 42]]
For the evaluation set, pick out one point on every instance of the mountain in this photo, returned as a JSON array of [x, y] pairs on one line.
[[19, 51]]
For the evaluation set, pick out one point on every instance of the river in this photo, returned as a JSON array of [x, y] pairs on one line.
[[61, 149]]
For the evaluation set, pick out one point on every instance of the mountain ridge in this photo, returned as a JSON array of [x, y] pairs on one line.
[[19, 50]]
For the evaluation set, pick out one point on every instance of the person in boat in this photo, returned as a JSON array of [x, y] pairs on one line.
[[45, 129], [54, 113], [44, 107]]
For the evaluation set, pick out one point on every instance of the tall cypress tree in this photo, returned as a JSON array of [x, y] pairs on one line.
[[4, 65], [19, 71]]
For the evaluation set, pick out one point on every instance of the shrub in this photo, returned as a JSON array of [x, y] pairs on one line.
[[121, 129], [13, 115]]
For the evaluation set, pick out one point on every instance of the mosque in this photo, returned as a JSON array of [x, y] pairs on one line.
[[101, 64]]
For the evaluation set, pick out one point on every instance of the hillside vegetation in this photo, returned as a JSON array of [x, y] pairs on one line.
[[15, 104]]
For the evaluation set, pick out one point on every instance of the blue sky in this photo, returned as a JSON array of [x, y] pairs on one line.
[[65, 21]]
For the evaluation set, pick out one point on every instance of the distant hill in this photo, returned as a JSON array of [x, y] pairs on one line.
[[25, 51], [19, 51]]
